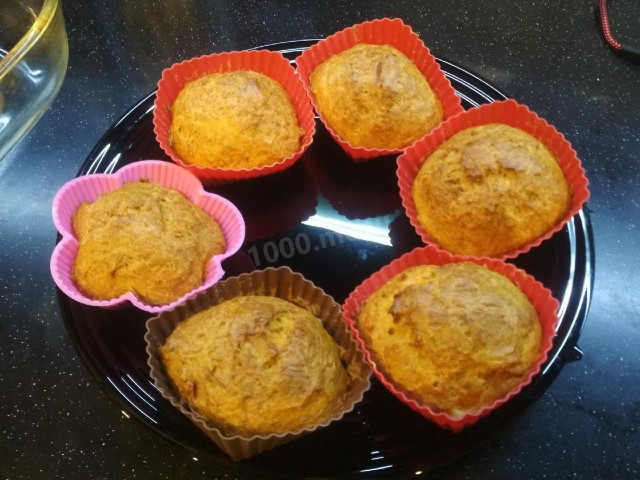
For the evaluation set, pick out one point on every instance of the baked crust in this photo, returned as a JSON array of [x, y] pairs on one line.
[[489, 190], [373, 96], [146, 239], [234, 120], [256, 365], [455, 337]]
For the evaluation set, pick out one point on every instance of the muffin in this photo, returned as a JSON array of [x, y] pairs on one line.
[[455, 337], [146, 239], [234, 120], [256, 365], [488, 190], [373, 96]]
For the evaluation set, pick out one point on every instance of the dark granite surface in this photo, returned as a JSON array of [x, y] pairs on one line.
[[56, 423]]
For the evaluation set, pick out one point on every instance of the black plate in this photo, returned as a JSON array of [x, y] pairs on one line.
[[336, 222]]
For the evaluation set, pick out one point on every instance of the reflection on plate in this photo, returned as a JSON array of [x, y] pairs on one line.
[[354, 189], [276, 203]]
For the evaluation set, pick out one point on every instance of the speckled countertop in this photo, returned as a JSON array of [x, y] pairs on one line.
[[56, 423]]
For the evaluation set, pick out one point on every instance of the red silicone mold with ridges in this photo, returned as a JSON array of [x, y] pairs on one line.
[[271, 64], [510, 113], [539, 296], [385, 31]]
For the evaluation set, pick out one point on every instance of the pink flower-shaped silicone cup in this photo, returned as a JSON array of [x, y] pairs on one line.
[[88, 188], [271, 64], [511, 113], [540, 297], [384, 31]]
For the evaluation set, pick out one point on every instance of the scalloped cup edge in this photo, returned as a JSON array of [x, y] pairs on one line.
[[162, 123], [366, 288], [408, 165], [62, 279]]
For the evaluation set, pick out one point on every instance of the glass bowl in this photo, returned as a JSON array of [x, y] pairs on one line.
[[33, 61]]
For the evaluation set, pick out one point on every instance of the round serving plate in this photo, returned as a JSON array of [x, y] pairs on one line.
[[336, 222]]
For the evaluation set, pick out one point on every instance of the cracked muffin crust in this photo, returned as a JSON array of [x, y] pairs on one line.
[[257, 365], [489, 190], [456, 337], [373, 96], [143, 238], [234, 120]]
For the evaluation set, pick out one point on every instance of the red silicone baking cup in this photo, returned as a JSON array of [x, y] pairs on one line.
[[271, 64], [510, 113], [89, 187], [539, 296], [385, 31]]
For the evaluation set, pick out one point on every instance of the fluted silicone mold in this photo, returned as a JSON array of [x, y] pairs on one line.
[[539, 296], [510, 113], [385, 31], [88, 188], [269, 63], [282, 283]]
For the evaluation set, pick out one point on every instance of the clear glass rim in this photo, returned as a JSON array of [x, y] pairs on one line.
[[39, 26]]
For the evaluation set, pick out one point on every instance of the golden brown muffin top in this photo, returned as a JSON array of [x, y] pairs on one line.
[[489, 190], [373, 96], [257, 365], [234, 120], [146, 239], [455, 337]]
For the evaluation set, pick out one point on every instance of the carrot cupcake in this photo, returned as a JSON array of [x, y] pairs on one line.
[[256, 365], [143, 238], [373, 96], [455, 337], [489, 190], [234, 120]]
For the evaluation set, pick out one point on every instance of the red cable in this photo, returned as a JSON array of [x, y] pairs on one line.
[[606, 29]]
